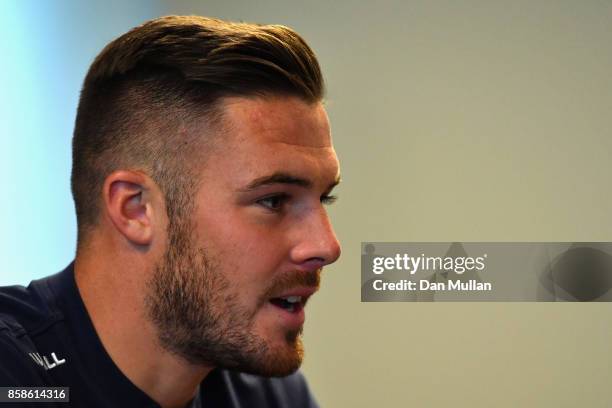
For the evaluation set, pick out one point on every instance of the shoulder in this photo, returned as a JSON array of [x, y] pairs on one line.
[[26, 309], [23, 313], [251, 390], [18, 367]]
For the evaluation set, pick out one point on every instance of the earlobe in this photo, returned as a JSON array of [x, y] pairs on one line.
[[128, 206]]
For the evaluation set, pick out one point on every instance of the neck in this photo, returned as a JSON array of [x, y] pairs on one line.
[[113, 292]]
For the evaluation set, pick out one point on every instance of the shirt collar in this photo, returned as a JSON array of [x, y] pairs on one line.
[[92, 359]]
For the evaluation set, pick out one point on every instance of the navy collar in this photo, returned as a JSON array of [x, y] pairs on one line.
[[93, 361]]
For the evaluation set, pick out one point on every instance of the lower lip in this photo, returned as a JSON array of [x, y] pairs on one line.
[[292, 320]]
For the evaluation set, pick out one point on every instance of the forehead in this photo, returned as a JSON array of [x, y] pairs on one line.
[[277, 120], [273, 134]]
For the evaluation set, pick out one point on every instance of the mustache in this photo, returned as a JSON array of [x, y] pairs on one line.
[[311, 279]]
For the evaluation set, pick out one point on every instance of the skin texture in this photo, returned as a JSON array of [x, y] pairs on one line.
[[180, 297]]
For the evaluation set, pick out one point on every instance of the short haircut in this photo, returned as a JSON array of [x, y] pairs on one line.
[[146, 87]]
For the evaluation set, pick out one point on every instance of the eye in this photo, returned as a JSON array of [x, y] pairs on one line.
[[274, 202], [328, 199]]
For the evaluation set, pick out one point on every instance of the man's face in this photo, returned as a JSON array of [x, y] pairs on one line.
[[232, 284]]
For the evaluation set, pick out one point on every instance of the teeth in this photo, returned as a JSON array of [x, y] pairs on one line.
[[293, 299]]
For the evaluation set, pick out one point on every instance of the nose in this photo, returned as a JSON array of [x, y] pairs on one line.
[[316, 244]]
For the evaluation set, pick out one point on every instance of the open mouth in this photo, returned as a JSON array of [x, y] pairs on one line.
[[291, 304]]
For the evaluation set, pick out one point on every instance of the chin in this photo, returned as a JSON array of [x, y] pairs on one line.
[[281, 359]]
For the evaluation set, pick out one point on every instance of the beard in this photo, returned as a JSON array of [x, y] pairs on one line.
[[199, 317]]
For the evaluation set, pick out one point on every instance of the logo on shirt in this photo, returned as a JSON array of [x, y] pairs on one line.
[[43, 361]]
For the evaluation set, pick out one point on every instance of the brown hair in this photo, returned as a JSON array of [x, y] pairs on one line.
[[146, 87]]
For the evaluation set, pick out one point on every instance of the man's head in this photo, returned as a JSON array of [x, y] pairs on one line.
[[223, 124]]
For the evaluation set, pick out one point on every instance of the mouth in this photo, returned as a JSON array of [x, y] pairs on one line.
[[292, 301], [291, 304]]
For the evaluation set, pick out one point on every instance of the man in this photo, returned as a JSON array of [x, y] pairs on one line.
[[202, 161]]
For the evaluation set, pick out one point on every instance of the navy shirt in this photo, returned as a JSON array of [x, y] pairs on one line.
[[48, 339]]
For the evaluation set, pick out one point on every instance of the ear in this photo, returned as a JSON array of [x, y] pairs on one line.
[[129, 198]]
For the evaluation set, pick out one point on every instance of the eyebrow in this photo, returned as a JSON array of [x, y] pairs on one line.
[[283, 178]]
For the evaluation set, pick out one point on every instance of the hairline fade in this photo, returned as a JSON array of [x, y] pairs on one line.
[[146, 89]]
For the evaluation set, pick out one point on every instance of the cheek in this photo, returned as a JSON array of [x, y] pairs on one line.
[[248, 253], [256, 258]]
